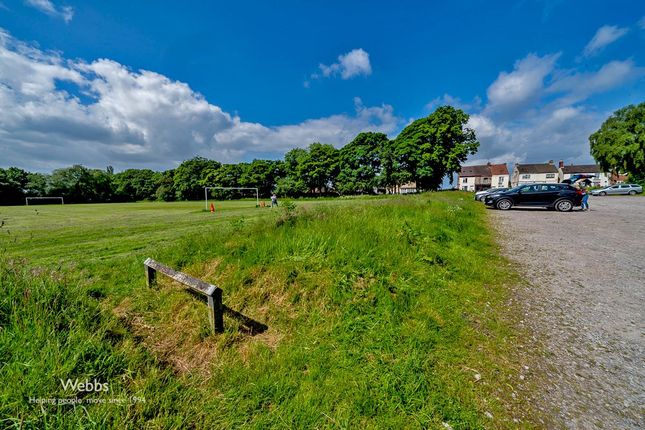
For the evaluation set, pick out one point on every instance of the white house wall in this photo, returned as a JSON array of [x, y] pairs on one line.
[[532, 178], [468, 183], [499, 181]]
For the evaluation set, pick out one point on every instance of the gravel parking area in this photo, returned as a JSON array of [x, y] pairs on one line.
[[585, 305]]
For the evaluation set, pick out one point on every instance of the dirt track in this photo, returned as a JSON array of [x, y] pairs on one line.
[[586, 305]]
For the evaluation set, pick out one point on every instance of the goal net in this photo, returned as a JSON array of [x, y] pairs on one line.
[[43, 200], [230, 193]]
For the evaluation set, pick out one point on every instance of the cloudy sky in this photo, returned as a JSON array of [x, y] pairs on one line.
[[143, 84]]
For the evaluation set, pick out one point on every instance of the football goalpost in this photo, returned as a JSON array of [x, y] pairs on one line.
[[27, 199], [257, 193]]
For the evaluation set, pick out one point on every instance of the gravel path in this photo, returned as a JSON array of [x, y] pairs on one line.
[[585, 304]]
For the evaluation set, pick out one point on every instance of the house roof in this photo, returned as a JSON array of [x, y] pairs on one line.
[[585, 168], [475, 171], [536, 168], [498, 169], [619, 177], [485, 170]]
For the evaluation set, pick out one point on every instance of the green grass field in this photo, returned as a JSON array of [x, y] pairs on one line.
[[382, 313]]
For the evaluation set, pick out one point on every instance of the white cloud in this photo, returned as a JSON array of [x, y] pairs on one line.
[[534, 113], [641, 23], [55, 112], [354, 63], [485, 127], [550, 134], [46, 6], [606, 35], [512, 90], [579, 86], [336, 129]]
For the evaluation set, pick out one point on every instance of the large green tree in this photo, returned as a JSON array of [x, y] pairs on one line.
[[78, 184], [320, 168], [37, 185], [136, 184], [619, 144], [225, 175], [190, 177], [294, 181], [360, 163], [166, 186], [431, 148], [391, 172], [261, 174], [309, 171]]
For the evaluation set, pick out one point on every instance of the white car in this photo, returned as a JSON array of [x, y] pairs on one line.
[[630, 189]]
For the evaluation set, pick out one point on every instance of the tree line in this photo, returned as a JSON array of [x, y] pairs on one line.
[[425, 152]]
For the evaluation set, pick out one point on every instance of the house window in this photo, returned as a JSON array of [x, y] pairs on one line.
[[550, 175], [464, 181], [526, 176], [500, 181]]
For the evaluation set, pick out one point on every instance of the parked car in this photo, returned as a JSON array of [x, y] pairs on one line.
[[561, 197], [630, 189], [479, 195]]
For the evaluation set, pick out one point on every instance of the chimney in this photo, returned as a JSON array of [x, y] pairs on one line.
[[561, 164], [550, 161]]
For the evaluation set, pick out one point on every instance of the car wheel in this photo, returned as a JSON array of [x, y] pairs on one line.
[[563, 205], [504, 204], [632, 192], [602, 193]]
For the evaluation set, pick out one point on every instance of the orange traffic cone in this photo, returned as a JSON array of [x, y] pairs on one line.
[[212, 208]]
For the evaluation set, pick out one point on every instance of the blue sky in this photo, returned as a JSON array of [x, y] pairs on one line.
[[146, 84]]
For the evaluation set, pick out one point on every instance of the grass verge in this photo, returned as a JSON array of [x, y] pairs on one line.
[[382, 313]]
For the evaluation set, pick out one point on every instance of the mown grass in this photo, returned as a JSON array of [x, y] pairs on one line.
[[382, 313]]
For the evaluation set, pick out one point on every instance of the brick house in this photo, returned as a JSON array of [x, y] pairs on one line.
[[499, 176], [617, 178], [482, 177]]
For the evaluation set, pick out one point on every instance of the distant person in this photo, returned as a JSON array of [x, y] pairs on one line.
[[274, 200], [585, 199]]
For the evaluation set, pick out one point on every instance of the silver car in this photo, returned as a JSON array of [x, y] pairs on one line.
[[481, 195], [630, 189]]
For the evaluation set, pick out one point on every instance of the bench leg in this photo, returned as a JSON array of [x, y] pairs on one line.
[[151, 276], [216, 311]]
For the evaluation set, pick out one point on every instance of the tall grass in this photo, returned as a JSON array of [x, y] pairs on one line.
[[380, 314]]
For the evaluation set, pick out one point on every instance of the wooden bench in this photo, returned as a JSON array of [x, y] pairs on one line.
[[212, 292]]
